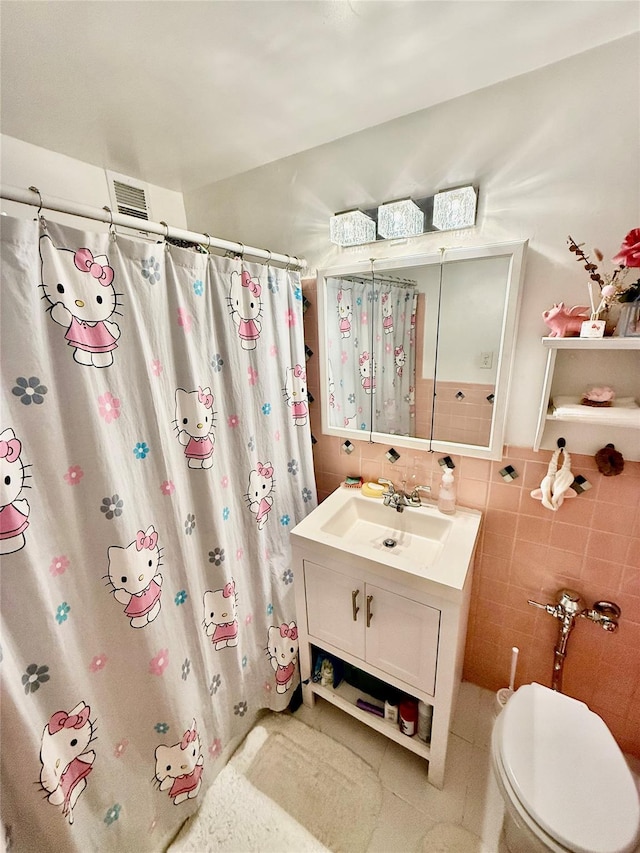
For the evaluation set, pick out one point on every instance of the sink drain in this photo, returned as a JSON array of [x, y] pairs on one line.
[[389, 543]]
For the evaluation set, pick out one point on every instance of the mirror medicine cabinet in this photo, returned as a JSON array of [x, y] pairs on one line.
[[417, 351]]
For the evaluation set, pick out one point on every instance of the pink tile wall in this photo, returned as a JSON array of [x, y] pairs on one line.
[[592, 545], [467, 420]]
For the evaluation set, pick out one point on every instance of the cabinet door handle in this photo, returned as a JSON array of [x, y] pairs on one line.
[[369, 613], [354, 607]]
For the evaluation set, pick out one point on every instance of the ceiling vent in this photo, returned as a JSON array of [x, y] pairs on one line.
[[129, 197]]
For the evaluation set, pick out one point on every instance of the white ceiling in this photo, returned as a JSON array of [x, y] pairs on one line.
[[184, 93]]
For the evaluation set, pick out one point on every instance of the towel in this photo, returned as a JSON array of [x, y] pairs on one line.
[[624, 411], [556, 485]]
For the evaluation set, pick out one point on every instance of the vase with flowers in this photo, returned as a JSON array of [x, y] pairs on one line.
[[616, 289]]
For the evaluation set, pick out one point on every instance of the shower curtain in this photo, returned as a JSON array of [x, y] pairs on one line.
[[154, 455], [371, 346]]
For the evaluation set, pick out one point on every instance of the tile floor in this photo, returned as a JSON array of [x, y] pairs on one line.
[[411, 806]]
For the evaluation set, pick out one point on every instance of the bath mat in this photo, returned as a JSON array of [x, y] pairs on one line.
[[451, 838], [323, 785]]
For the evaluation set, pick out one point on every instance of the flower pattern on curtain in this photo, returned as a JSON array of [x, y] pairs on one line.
[[155, 452], [371, 346]]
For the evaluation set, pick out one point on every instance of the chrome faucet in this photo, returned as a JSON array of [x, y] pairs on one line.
[[399, 499], [569, 606]]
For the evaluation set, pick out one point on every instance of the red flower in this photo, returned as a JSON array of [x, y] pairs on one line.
[[109, 407], [74, 475], [158, 664], [59, 565], [98, 663], [167, 487], [629, 254]]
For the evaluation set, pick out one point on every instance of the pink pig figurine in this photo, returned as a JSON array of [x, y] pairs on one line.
[[563, 322]]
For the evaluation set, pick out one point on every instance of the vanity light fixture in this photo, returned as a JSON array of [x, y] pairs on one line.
[[455, 208], [397, 219], [352, 228], [447, 210]]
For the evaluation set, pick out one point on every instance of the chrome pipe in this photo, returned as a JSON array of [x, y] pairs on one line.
[[568, 608]]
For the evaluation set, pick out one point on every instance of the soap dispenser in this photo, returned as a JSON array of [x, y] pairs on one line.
[[447, 493]]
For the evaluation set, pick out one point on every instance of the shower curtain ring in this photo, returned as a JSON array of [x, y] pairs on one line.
[[286, 269], [269, 258], [241, 253], [166, 234], [36, 190], [112, 228], [208, 236]]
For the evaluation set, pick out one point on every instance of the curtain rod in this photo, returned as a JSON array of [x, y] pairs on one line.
[[376, 279], [36, 199]]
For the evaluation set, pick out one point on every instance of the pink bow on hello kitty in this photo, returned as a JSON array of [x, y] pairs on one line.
[[10, 450], [61, 720], [286, 631], [264, 471], [253, 286], [364, 357], [205, 398], [188, 737], [83, 259], [229, 590], [143, 541], [299, 372]]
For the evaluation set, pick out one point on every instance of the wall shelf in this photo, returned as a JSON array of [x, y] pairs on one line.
[[572, 365], [591, 343]]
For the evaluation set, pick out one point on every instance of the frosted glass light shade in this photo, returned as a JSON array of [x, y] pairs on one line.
[[400, 219], [455, 209], [352, 228]]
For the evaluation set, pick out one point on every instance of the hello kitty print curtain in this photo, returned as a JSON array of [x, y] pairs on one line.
[[371, 346], [154, 453]]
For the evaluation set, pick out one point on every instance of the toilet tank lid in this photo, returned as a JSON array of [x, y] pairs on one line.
[[568, 772]]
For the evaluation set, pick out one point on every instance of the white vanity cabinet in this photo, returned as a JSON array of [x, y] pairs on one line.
[[391, 632], [397, 624]]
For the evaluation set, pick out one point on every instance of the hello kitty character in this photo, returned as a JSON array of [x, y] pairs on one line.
[[14, 513], [194, 421], [80, 290], [179, 767], [65, 757], [134, 576], [220, 616], [295, 391], [246, 306], [387, 314], [399, 358], [260, 491], [283, 653], [344, 311], [367, 373]]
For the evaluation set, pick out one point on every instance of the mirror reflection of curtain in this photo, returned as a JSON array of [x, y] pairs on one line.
[[363, 317], [351, 368], [395, 305]]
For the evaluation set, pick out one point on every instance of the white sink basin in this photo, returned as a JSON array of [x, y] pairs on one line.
[[416, 534], [420, 541]]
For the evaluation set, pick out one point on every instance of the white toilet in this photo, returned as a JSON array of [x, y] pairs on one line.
[[565, 783]]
